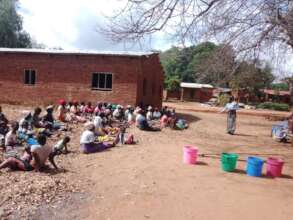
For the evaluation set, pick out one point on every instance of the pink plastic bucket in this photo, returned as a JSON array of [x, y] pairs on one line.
[[274, 167], [190, 154]]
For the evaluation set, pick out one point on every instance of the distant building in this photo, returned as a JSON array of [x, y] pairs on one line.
[[196, 92], [30, 76], [276, 95]]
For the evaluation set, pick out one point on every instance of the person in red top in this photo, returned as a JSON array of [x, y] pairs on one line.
[[61, 111], [89, 108]]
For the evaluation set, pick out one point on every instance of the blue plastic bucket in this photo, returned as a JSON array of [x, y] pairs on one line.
[[254, 166]]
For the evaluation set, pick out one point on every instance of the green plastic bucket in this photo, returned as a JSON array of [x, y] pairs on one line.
[[229, 161]]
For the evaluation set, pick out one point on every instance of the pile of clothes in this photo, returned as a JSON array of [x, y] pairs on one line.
[[280, 131]]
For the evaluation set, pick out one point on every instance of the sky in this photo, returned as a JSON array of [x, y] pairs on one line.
[[74, 24]]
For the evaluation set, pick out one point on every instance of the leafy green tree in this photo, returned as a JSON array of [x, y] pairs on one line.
[[280, 86], [172, 83], [11, 32], [181, 63]]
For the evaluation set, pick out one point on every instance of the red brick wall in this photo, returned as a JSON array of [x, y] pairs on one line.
[[153, 74], [69, 77], [199, 95], [176, 94]]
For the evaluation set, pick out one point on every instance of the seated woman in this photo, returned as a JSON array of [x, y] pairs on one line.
[[61, 111], [89, 109], [142, 123], [88, 141], [22, 163], [28, 119], [99, 108], [36, 120], [130, 116], [81, 108], [24, 133], [48, 119], [99, 122], [149, 115], [156, 114], [75, 115], [165, 120], [11, 140], [118, 113]]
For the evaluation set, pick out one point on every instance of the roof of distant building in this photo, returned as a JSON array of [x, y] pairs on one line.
[[195, 85], [276, 92]]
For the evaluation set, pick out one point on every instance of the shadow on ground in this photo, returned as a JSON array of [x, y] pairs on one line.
[[188, 117]]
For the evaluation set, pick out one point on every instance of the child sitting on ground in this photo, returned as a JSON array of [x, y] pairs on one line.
[[61, 145], [129, 140]]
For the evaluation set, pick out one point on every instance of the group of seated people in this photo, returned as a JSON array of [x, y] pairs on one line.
[[166, 118], [30, 134], [105, 126]]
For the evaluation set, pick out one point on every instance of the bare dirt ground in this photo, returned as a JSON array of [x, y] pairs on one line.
[[149, 180]]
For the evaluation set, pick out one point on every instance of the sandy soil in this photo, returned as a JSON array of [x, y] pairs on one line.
[[149, 180]]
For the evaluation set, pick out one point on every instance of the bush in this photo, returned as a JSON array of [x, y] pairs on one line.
[[274, 106], [223, 99]]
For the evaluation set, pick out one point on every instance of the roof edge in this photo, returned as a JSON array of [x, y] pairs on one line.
[[77, 52]]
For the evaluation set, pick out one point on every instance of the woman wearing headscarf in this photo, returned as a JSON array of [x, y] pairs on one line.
[[88, 139], [231, 109]]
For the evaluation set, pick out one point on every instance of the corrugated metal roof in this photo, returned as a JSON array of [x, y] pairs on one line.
[[76, 52], [195, 85], [276, 92]]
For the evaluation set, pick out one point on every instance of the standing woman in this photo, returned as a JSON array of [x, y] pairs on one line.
[[231, 109]]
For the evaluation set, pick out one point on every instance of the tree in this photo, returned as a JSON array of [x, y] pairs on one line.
[[182, 62], [247, 25], [218, 67], [280, 86], [252, 77], [172, 83], [11, 32]]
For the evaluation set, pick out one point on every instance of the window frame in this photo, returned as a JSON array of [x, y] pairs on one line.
[[105, 81], [30, 77]]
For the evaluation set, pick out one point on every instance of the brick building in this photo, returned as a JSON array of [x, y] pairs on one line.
[[29, 76], [196, 92]]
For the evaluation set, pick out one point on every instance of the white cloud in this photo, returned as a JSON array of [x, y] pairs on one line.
[[72, 24]]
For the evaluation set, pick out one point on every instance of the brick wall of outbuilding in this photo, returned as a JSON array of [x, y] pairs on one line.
[[69, 77], [153, 74]]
